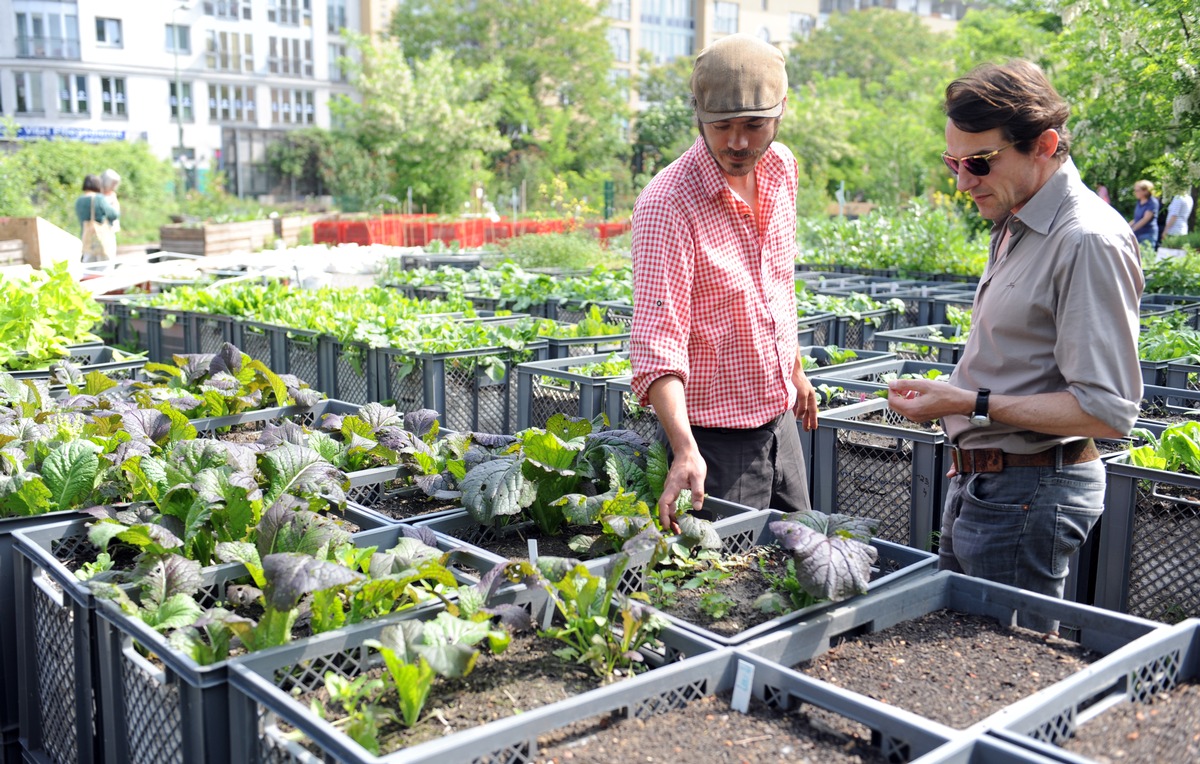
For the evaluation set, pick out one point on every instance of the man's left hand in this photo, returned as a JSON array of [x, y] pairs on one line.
[[806, 399]]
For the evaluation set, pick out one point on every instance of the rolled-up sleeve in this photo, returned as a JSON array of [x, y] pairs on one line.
[[1097, 314], [663, 270]]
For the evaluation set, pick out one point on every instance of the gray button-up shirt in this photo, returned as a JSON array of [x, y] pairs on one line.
[[1056, 310]]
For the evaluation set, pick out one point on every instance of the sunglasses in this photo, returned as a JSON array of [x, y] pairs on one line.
[[977, 164]]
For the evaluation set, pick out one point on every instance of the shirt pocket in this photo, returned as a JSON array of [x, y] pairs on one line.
[[706, 348]]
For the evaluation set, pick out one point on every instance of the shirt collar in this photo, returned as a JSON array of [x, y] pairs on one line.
[[1039, 213]]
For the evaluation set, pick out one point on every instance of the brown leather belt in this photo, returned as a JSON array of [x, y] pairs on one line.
[[995, 460]]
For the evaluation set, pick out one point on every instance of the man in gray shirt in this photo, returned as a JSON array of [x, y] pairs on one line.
[[1051, 360]]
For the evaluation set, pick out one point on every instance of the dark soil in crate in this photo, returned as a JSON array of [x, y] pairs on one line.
[[1166, 730], [708, 730], [888, 418], [526, 676], [745, 583], [513, 544], [402, 506], [954, 668]]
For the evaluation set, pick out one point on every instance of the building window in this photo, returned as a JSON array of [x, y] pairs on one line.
[[29, 92], [292, 107], [230, 103], [179, 38], [726, 18], [228, 9], [108, 33], [291, 13], [188, 114], [112, 96], [72, 94], [337, 51], [336, 16], [47, 35], [229, 51], [291, 57], [618, 40], [668, 29], [801, 25], [617, 9]]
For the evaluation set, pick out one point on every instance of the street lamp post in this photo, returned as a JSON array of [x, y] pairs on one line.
[[178, 97]]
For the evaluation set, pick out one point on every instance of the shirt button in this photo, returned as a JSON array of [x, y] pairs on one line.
[[658, 303]]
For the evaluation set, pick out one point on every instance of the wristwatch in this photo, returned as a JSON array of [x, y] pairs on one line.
[[980, 418]]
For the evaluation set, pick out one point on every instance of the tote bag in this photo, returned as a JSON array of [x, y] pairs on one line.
[[99, 239]]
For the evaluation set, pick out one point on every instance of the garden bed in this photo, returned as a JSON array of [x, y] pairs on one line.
[[955, 668]]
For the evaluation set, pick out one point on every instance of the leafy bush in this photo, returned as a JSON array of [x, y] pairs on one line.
[[568, 251]]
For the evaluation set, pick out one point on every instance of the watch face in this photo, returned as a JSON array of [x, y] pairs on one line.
[[980, 421]]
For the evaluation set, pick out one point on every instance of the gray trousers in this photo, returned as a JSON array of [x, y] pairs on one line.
[[760, 468]]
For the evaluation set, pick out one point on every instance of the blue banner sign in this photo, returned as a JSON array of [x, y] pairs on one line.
[[85, 134]]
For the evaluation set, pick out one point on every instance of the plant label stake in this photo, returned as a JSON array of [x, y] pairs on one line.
[[533, 554], [741, 687]]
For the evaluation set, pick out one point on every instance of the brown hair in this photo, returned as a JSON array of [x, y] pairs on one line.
[[91, 183], [1015, 97]]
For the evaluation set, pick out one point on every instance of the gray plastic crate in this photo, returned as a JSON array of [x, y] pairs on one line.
[[1163, 305], [462, 526], [210, 331], [167, 333], [266, 685], [346, 370], [566, 347], [90, 358], [546, 388], [825, 367], [1102, 631], [875, 372], [9, 667], [179, 710], [858, 331], [741, 533], [935, 342], [963, 300], [817, 329], [881, 470], [624, 412], [1149, 543], [1184, 374], [453, 384], [990, 748], [1136, 673]]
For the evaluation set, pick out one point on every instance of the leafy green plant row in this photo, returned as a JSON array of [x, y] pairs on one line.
[[852, 305], [40, 317], [519, 288]]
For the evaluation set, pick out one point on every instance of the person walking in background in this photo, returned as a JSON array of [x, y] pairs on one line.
[[109, 180], [1145, 215], [1102, 192], [96, 216], [1178, 212], [713, 343], [1052, 357]]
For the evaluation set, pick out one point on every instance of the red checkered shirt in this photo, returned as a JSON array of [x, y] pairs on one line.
[[715, 301]]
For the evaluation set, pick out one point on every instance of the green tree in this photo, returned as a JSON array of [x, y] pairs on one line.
[[1131, 71], [318, 161], [667, 126], [560, 111], [433, 123]]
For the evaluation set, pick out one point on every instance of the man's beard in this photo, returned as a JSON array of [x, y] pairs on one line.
[[747, 158]]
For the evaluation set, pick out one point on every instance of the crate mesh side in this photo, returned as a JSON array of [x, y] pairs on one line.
[[351, 373], [637, 418], [367, 495], [302, 359], [210, 333], [476, 534], [670, 699], [738, 543], [406, 388], [1159, 675], [53, 639], [515, 753], [256, 344], [152, 716], [549, 400], [873, 478], [1060, 727], [473, 403], [1164, 565], [309, 675], [273, 749]]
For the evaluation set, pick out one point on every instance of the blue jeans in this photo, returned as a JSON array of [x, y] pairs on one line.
[[1021, 526]]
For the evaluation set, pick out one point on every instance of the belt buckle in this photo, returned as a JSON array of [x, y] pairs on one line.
[[957, 458]]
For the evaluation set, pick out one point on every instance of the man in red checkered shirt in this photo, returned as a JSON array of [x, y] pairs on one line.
[[714, 346]]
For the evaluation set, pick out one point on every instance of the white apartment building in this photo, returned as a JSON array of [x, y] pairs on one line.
[[215, 81], [212, 81]]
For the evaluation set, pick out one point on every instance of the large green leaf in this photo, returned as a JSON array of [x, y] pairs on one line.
[[830, 568], [169, 576], [290, 576], [496, 488], [301, 472], [70, 472]]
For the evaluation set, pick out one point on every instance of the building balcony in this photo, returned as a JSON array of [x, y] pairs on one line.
[[48, 47]]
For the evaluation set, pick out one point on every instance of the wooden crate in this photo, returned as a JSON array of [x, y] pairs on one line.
[[12, 252], [216, 238]]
